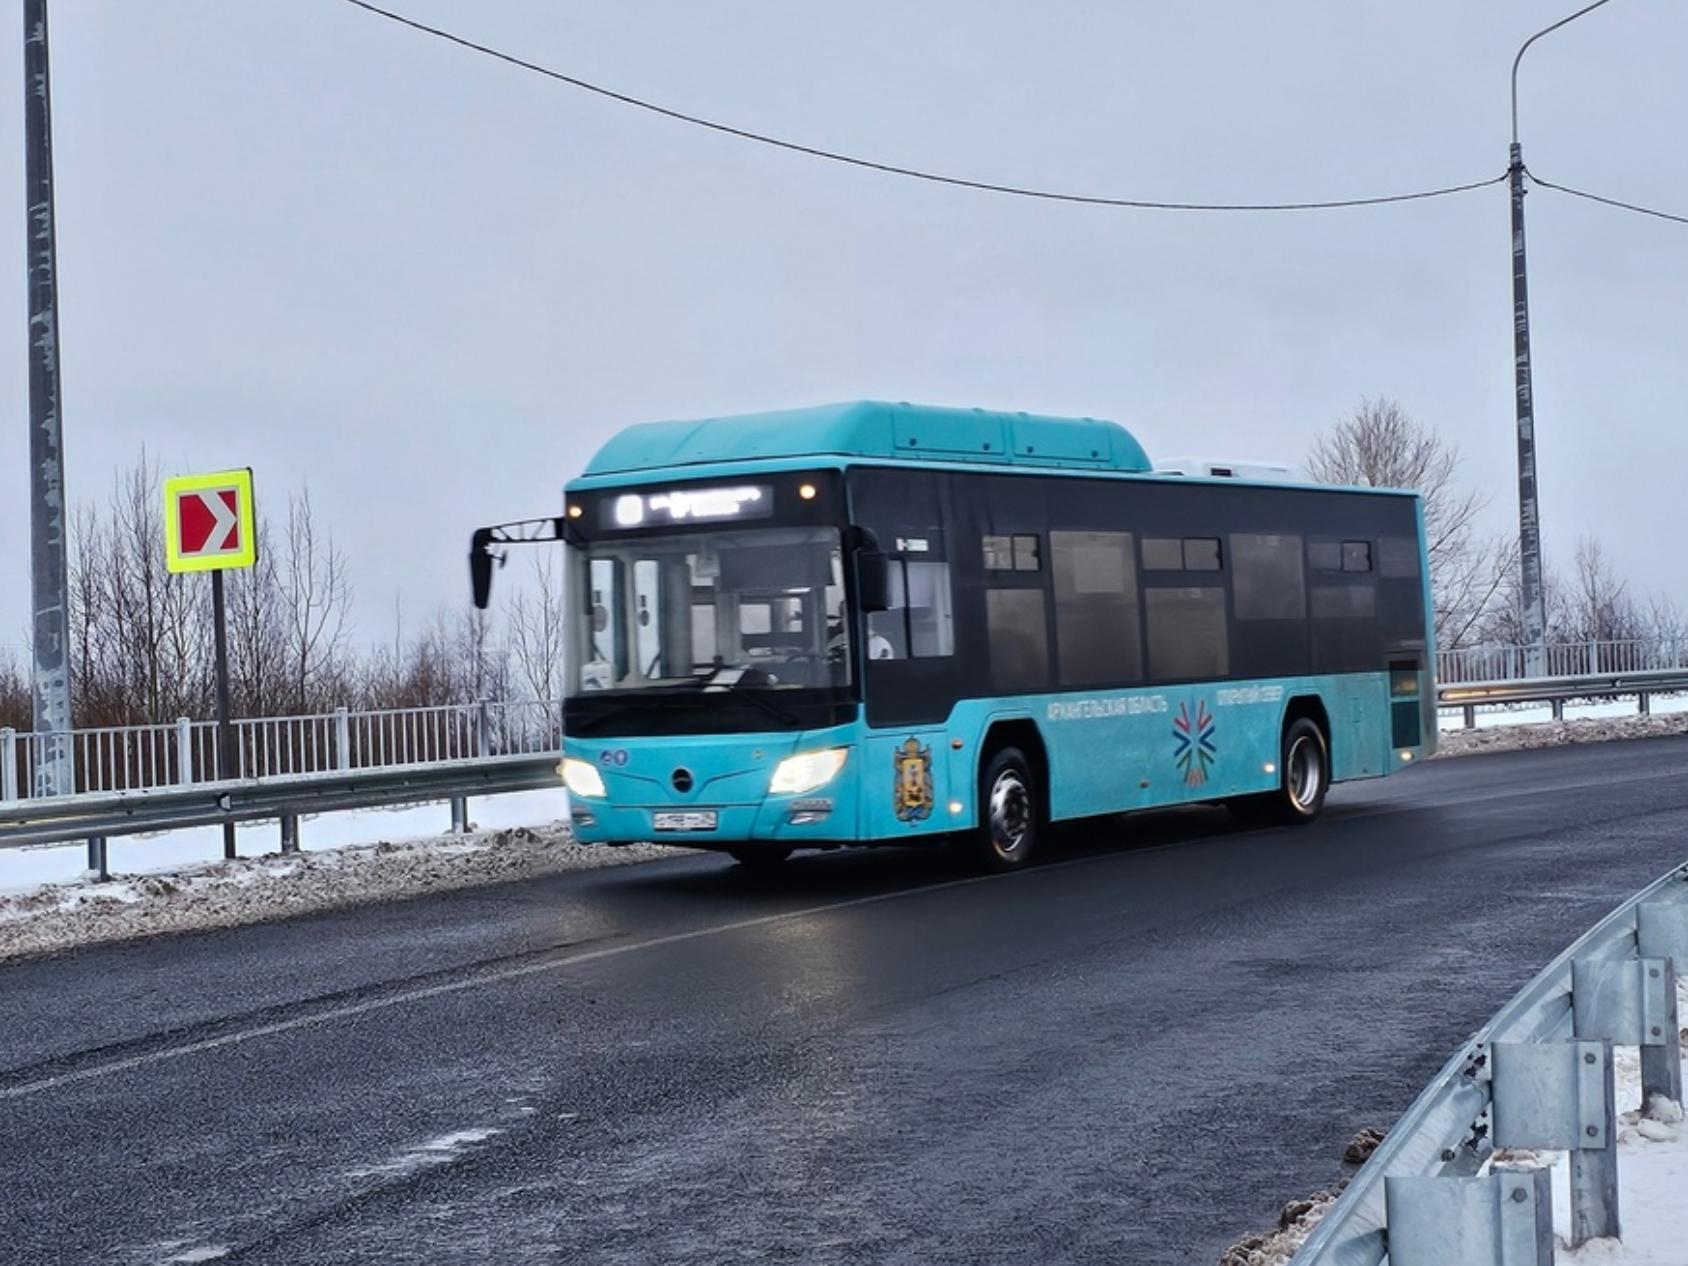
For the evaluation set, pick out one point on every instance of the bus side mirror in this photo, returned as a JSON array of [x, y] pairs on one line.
[[481, 559], [873, 585]]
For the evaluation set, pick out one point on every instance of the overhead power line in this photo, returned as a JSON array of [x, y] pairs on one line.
[[912, 173], [1610, 202]]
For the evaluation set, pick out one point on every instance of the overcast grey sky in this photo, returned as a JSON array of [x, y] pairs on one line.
[[297, 237]]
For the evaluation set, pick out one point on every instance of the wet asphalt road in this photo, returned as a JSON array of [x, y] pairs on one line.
[[1131, 1054]]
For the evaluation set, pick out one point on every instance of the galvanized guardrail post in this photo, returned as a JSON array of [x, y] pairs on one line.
[[8, 764], [290, 832], [1661, 932], [99, 861], [1632, 1003], [1506, 1218], [483, 748], [1558, 1096]]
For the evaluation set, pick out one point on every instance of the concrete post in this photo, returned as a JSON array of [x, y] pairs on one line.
[[184, 751], [8, 764], [342, 739]]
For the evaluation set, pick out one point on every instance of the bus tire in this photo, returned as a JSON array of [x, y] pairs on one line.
[[760, 856], [1009, 814], [1303, 779]]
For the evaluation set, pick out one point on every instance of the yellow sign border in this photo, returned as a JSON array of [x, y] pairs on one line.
[[241, 481]]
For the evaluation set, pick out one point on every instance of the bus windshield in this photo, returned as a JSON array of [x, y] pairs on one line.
[[711, 610]]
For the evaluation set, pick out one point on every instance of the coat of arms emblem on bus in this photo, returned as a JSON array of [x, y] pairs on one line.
[[1192, 732], [911, 793]]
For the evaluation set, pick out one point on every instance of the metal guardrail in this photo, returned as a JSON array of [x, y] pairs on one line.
[[1470, 696], [98, 815], [1562, 659], [184, 753], [1538, 1075]]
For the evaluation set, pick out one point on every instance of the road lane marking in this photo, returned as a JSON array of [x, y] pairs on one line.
[[424, 993], [350, 1010]]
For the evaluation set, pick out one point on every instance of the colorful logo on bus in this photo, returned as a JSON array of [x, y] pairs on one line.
[[912, 790], [1193, 733]]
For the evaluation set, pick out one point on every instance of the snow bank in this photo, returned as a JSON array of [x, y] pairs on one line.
[[1515, 738], [1276, 1248], [258, 889], [1503, 714], [172, 850], [1652, 1176]]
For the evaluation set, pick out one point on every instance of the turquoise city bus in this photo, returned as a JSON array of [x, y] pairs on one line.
[[890, 624]]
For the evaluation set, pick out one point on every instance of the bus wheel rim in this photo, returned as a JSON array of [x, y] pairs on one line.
[[1010, 813], [1304, 774]]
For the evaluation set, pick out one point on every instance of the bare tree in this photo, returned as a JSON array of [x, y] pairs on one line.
[[1599, 606], [1503, 623], [259, 676], [16, 706], [1380, 446], [1472, 585], [536, 630], [482, 660], [1666, 622], [142, 634], [316, 593]]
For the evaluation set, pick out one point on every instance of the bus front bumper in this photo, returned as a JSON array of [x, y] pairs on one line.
[[795, 821]]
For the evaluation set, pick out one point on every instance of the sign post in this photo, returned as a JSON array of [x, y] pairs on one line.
[[210, 525]]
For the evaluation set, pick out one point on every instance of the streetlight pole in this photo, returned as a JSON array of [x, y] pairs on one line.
[[1529, 508], [50, 626]]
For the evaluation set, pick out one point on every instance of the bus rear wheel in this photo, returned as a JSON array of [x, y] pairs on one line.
[[760, 856], [1008, 813], [1303, 779]]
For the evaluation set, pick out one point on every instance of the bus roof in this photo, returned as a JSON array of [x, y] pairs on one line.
[[876, 430]]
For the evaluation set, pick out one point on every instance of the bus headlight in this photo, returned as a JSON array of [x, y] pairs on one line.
[[581, 778], [806, 771]]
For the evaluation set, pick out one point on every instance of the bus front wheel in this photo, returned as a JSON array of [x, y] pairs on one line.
[[1303, 779], [1008, 813]]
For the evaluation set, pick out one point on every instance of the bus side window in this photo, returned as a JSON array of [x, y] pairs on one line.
[[1096, 638], [921, 621], [1188, 640]]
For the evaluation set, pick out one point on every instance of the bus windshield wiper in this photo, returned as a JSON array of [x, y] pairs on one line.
[[737, 686]]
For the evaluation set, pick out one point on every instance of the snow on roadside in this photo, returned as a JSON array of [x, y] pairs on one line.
[[1518, 738], [1652, 1175], [259, 889], [171, 850], [1509, 714], [1276, 1248]]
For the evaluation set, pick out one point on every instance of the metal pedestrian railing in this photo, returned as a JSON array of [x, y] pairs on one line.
[[1468, 664], [1537, 1076], [184, 753]]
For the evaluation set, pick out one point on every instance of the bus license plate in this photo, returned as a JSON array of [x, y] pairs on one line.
[[690, 820]]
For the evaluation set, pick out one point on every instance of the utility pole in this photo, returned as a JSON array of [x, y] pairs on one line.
[[1529, 505], [1529, 508], [50, 627]]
